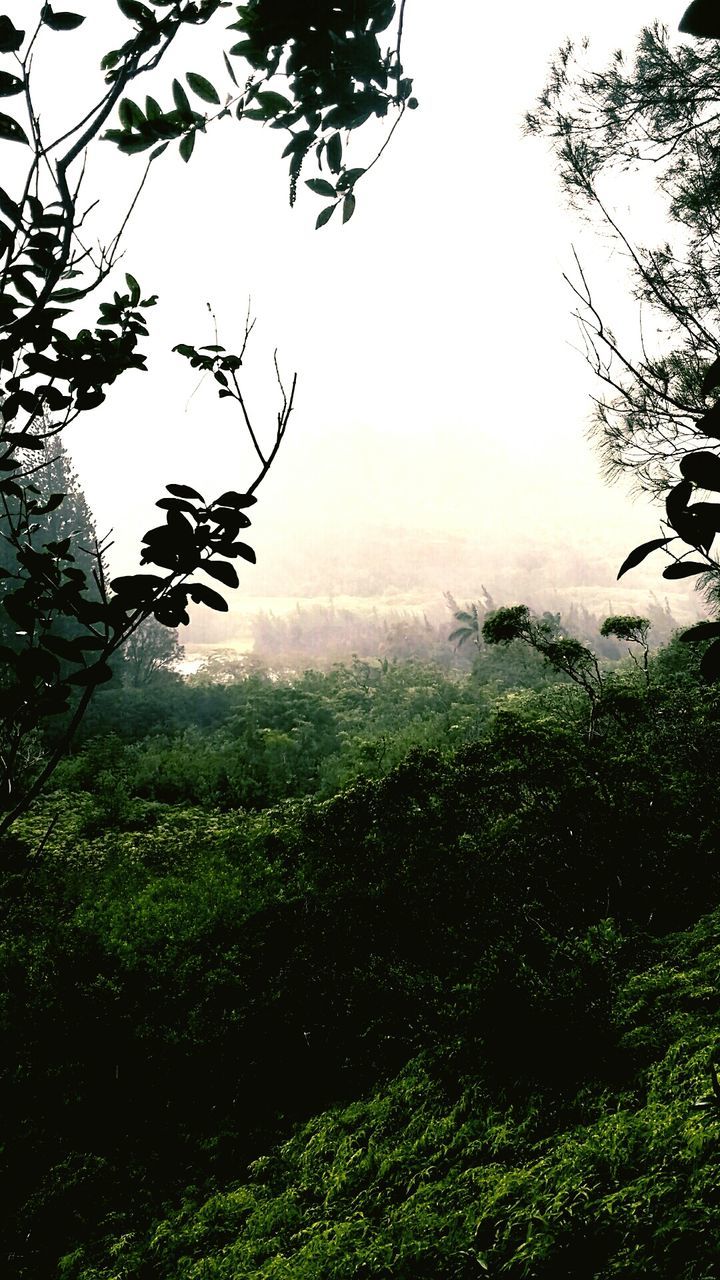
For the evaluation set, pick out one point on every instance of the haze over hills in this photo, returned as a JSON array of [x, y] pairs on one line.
[[394, 569]]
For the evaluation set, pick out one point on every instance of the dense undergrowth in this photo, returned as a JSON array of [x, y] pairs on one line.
[[444, 1010]]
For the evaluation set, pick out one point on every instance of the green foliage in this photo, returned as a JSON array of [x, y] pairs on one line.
[[634, 630], [505, 625], [421, 1178], [629, 627], [443, 965], [564, 654], [257, 741]]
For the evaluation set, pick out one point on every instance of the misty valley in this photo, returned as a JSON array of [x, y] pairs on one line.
[[359, 742]]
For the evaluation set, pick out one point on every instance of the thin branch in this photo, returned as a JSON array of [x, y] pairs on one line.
[[246, 416]]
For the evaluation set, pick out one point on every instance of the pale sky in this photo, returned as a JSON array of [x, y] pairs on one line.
[[439, 388]]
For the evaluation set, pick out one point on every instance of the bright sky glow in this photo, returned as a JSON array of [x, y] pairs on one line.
[[439, 388]]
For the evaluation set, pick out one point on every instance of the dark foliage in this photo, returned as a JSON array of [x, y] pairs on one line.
[[178, 996]]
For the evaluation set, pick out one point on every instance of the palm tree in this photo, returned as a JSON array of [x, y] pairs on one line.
[[470, 618], [470, 626]]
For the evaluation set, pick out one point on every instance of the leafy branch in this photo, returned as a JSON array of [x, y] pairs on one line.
[[60, 623]]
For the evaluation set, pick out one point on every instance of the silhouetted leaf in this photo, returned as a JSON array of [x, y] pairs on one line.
[[184, 491], [60, 21], [334, 152], [685, 569], [702, 631], [707, 513], [110, 59], [54, 501], [348, 207], [100, 673], [181, 100], [130, 114], [349, 178], [24, 440], [231, 73], [202, 87], [224, 573], [701, 19], [137, 588], [31, 663], [637, 556], [135, 11], [677, 500], [187, 145], [10, 85], [205, 595], [11, 131], [59, 548], [710, 662], [9, 208], [10, 37], [709, 424], [703, 469], [72, 650], [172, 615], [241, 549], [233, 499], [130, 145], [299, 143], [272, 103], [321, 187], [248, 50], [693, 529], [134, 288], [324, 216], [176, 504]]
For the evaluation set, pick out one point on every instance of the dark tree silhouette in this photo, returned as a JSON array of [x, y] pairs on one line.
[[653, 418]]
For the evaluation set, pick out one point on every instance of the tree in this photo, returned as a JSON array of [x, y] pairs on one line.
[[563, 653], [335, 75], [634, 630], [73, 519], [469, 618], [151, 648], [22, 749], [566, 654], [652, 418]]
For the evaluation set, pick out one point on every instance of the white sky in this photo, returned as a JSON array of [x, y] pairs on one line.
[[438, 387]]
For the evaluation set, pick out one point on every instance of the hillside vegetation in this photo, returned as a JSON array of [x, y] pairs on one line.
[[435, 995]]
